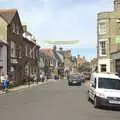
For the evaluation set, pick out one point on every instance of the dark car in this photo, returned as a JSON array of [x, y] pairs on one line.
[[74, 78]]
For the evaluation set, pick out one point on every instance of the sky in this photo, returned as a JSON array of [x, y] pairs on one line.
[[62, 20]]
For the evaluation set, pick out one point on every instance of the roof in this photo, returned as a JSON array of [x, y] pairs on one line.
[[47, 51], [8, 14], [106, 75]]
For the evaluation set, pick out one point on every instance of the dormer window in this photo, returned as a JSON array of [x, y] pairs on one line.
[[13, 27], [17, 29]]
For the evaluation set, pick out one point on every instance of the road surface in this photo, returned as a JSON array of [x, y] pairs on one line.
[[52, 101]]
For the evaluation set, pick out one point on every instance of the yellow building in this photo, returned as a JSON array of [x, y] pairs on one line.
[[108, 31]]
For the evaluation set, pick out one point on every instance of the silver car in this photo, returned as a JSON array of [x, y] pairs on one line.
[[74, 79]]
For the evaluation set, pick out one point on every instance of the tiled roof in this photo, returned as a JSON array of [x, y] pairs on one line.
[[47, 52], [8, 14]]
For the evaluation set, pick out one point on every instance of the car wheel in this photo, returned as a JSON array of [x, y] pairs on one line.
[[96, 104]]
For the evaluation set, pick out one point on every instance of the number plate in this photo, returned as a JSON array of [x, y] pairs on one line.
[[114, 102]]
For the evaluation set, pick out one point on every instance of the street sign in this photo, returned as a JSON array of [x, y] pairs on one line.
[[117, 39]]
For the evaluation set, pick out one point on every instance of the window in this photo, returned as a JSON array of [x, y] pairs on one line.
[[103, 68], [102, 45], [0, 53], [17, 29], [108, 83], [31, 53], [102, 28], [13, 49], [27, 70], [94, 83], [26, 50], [13, 27], [20, 52]]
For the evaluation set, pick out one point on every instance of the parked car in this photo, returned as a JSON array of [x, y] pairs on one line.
[[104, 90], [74, 78]]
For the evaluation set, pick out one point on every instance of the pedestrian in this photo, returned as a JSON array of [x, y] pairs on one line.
[[2, 81], [6, 84]]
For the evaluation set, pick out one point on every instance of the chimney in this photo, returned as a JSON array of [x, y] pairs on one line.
[[116, 4], [24, 28]]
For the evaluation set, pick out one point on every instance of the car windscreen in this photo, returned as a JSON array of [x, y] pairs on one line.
[[74, 76], [108, 83]]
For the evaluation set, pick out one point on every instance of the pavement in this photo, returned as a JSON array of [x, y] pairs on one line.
[[52, 101], [21, 87], [87, 83]]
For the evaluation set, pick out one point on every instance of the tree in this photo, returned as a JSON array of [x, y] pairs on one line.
[[85, 67]]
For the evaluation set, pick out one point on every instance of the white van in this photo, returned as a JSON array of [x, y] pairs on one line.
[[104, 90]]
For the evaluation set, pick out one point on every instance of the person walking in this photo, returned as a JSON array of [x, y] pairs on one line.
[[2, 81], [6, 84]]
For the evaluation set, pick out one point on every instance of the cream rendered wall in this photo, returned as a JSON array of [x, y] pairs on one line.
[[3, 29]]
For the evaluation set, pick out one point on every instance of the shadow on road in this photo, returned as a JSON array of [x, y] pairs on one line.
[[109, 108]]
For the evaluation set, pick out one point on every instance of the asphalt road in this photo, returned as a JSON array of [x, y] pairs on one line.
[[52, 101]]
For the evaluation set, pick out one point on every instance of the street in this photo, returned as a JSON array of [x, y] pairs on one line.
[[52, 101]]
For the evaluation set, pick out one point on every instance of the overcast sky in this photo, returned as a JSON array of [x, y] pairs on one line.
[[62, 20]]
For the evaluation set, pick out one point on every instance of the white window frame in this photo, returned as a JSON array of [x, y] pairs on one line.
[[13, 27], [17, 29], [13, 49], [102, 29], [100, 49], [101, 67], [27, 70], [26, 50], [20, 52]]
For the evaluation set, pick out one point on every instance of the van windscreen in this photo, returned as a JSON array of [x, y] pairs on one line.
[[108, 83]]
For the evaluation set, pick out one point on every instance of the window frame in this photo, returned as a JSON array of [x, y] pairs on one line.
[[13, 28], [102, 28], [103, 47], [103, 68], [12, 49]]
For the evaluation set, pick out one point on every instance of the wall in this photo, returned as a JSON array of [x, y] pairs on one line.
[[3, 60], [3, 29]]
